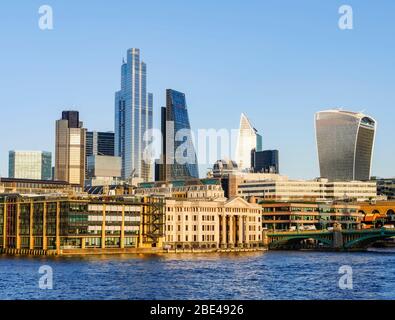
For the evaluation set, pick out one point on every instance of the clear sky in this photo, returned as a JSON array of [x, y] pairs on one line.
[[278, 61]]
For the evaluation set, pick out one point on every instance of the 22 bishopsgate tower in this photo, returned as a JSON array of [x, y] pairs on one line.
[[345, 142], [133, 117]]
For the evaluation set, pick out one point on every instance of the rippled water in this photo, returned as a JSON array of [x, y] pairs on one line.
[[273, 275]]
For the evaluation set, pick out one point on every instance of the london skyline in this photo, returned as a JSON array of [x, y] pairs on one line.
[[292, 73]]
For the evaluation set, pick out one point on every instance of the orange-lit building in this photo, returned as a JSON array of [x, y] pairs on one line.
[[378, 214]]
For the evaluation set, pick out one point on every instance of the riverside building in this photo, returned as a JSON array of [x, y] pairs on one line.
[[198, 216], [55, 224], [221, 224], [310, 216]]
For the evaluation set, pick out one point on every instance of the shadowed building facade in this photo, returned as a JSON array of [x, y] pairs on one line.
[[345, 142], [266, 161]]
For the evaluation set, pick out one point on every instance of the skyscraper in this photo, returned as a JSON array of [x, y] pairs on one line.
[[36, 165], [178, 155], [70, 149], [345, 143], [266, 161], [133, 117], [100, 143], [248, 139]]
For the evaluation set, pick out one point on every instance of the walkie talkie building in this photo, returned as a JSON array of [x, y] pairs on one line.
[[345, 143]]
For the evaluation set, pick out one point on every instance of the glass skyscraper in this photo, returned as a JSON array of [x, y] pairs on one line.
[[35, 165], [133, 117], [178, 157], [248, 139], [100, 143], [345, 142]]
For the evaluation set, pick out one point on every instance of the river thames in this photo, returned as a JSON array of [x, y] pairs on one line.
[[260, 276]]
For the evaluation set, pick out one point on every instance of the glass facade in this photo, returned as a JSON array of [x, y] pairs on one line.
[[82, 223], [265, 161], [179, 153], [248, 139], [133, 117], [345, 142], [35, 165], [100, 143]]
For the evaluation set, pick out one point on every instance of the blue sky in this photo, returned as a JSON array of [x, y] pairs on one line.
[[277, 61]]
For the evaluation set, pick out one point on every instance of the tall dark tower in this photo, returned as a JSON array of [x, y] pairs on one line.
[[179, 159]]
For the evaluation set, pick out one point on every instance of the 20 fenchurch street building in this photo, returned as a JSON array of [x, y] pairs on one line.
[[133, 117], [345, 142]]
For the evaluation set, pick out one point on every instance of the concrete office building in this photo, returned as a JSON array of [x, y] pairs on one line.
[[34, 165], [70, 149], [345, 142], [202, 224], [297, 216], [385, 187], [103, 170], [305, 190]]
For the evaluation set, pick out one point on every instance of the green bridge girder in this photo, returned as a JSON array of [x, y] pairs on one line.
[[352, 239]]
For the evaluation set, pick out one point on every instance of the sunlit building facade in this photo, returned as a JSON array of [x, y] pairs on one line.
[[345, 142], [35, 165], [133, 117], [84, 225], [70, 149], [248, 139]]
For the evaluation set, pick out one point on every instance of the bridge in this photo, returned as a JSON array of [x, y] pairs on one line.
[[346, 240]]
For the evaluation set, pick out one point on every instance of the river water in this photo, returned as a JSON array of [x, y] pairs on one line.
[[257, 276]]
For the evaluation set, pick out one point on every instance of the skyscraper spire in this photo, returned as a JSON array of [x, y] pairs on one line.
[[248, 139]]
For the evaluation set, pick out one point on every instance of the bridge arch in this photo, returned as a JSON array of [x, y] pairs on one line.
[[365, 241], [289, 240]]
